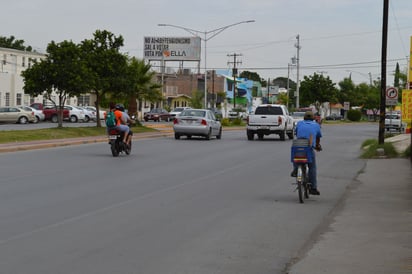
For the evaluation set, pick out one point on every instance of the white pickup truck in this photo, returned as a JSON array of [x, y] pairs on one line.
[[270, 119], [393, 121]]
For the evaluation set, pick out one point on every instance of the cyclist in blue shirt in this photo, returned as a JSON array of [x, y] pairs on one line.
[[310, 129]]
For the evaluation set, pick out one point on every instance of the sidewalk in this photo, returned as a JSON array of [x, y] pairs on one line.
[[371, 232]]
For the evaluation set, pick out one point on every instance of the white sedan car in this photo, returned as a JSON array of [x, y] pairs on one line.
[[176, 112], [197, 122]]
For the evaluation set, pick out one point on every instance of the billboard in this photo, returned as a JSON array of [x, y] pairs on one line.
[[172, 48]]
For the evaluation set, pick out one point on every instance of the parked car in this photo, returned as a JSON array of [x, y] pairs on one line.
[[157, 115], [16, 115], [175, 112], [197, 122], [102, 113], [334, 117], [76, 113], [217, 112], [233, 114], [297, 116], [89, 115], [38, 114]]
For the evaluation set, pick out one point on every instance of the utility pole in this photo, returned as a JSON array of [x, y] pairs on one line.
[[382, 108], [234, 74], [287, 86], [298, 47]]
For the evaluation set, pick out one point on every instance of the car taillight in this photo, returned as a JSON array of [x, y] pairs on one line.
[[175, 121], [279, 120], [204, 122]]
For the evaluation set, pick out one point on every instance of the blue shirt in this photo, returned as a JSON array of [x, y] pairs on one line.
[[307, 128]]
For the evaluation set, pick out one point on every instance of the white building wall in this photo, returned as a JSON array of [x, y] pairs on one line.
[[12, 64]]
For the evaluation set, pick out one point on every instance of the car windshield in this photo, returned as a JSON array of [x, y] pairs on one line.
[[178, 110], [196, 113], [392, 116]]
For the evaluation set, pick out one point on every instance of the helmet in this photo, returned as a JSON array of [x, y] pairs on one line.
[[119, 107], [308, 115]]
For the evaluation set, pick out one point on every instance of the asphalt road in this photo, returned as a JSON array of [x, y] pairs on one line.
[[172, 206]]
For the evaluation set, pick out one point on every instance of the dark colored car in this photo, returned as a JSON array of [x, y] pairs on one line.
[[334, 117], [157, 115]]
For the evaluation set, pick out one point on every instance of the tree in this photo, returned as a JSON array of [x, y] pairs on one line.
[[251, 76], [349, 92], [106, 64], [62, 72], [316, 90], [372, 98], [197, 99], [140, 84], [12, 43], [400, 80]]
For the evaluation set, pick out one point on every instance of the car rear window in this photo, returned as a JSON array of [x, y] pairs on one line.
[[269, 110]]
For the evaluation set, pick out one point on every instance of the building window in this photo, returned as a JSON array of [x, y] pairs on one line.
[[7, 99], [18, 99], [23, 61], [84, 100]]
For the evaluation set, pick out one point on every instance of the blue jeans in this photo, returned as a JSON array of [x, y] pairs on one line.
[[312, 172]]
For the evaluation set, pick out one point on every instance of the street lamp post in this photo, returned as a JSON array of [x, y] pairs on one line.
[[207, 36]]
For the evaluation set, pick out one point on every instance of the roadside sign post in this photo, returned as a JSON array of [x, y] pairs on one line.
[[391, 96]]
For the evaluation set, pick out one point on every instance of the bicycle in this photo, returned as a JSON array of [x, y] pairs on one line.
[[301, 156]]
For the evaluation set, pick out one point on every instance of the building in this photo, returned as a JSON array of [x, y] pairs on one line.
[[12, 64]]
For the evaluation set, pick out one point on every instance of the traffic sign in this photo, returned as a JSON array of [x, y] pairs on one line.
[[391, 96]]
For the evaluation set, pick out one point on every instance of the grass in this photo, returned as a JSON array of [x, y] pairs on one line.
[[370, 147], [11, 136]]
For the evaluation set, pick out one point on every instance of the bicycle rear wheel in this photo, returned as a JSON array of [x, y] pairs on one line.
[[306, 184], [299, 181]]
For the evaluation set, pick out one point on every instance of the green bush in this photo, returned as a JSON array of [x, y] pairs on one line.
[[225, 122], [354, 115], [237, 122]]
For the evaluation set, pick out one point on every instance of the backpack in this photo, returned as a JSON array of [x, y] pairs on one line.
[[110, 119]]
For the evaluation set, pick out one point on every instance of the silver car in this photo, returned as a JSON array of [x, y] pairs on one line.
[[197, 122]]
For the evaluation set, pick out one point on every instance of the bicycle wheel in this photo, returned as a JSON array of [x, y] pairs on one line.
[[299, 181]]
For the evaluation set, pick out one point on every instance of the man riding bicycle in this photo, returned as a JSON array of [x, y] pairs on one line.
[[309, 129]]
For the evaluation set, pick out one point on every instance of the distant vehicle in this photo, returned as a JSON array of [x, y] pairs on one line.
[[232, 114], [393, 121], [89, 115], [102, 113], [76, 114], [270, 119], [157, 115], [317, 117], [175, 112], [297, 116], [38, 114], [197, 122], [217, 112], [16, 115], [334, 117], [50, 112]]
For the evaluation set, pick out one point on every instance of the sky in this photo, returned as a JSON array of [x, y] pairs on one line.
[[337, 38]]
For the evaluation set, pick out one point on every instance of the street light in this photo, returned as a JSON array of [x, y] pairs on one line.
[[212, 34]]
